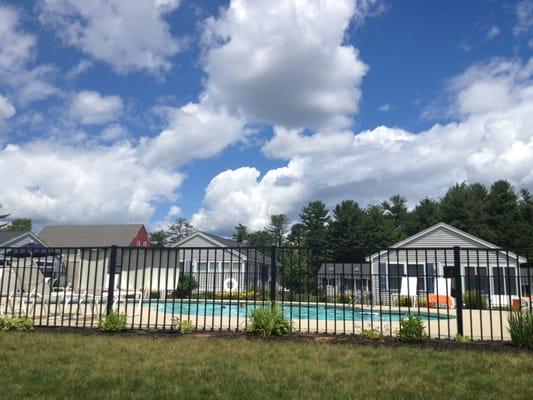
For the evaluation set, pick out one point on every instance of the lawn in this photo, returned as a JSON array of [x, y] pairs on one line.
[[66, 365]]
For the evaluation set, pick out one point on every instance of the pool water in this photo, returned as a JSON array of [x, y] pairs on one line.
[[304, 311]]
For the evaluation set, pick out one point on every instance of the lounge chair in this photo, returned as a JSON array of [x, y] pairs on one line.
[[408, 289], [441, 297]]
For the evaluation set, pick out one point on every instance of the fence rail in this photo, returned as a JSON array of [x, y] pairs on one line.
[[455, 290]]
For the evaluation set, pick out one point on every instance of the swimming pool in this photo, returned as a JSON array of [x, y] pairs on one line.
[[305, 311]]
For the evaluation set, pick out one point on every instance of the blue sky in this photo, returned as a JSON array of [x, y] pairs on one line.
[[226, 112]]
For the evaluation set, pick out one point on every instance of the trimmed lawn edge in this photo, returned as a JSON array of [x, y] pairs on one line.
[[354, 340]]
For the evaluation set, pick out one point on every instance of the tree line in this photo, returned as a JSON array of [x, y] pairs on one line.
[[497, 214]]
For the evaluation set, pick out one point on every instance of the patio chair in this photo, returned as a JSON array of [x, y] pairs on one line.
[[408, 289], [441, 296], [123, 293]]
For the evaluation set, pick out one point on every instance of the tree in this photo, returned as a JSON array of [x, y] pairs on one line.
[[464, 206], [345, 226], [19, 224], [315, 220], [296, 236], [159, 238], [3, 217], [425, 214], [397, 210], [378, 230], [181, 228], [240, 233], [261, 238], [503, 214], [278, 227]]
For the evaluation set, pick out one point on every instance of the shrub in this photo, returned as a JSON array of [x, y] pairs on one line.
[[15, 324], [422, 302], [411, 329], [184, 326], [266, 321], [405, 301], [462, 339], [154, 294], [186, 285], [472, 299], [114, 322], [371, 334], [521, 328]]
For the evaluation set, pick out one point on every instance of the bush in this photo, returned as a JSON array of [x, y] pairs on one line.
[[266, 321], [371, 334], [114, 322], [521, 328], [411, 330], [472, 299], [422, 302], [184, 326], [405, 301], [462, 339], [15, 324], [186, 285]]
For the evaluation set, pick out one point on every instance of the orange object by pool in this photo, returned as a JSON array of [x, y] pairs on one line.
[[439, 301]]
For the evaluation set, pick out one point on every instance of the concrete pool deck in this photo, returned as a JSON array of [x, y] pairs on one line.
[[477, 324]]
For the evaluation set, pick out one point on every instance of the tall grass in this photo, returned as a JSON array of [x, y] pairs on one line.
[[521, 328], [266, 321]]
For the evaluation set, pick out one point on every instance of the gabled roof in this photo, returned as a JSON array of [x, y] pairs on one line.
[[441, 225], [89, 235], [243, 251], [8, 238]]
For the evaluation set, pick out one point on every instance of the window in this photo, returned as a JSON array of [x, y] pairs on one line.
[[395, 276], [476, 279], [504, 281], [430, 277], [383, 276], [202, 267], [418, 271], [328, 281], [348, 284]]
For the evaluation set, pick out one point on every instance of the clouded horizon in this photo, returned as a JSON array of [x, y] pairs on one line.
[[114, 111]]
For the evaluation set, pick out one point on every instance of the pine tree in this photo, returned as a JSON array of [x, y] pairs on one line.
[[240, 233]]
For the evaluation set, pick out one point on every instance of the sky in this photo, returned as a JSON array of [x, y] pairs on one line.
[[226, 112]]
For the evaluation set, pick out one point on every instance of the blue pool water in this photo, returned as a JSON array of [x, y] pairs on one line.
[[311, 311]]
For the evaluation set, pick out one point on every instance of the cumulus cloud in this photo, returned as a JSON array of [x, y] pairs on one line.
[[17, 50], [109, 31], [6, 110], [81, 184], [284, 62], [90, 107], [524, 18], [492, 139], [493, 32], [192, 131]]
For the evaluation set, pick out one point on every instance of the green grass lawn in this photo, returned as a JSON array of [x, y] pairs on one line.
[[64, 366]]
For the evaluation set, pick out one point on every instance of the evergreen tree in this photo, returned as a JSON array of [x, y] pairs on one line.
[[260, 238], [503, 214], [181, 228], [464, 206], [397, 211], [315, 220], [425, 214], [19, 224], [159, 238], [278, 228], [296, 236], [240, 233]]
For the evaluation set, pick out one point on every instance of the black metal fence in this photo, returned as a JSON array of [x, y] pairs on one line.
[[467, 291]]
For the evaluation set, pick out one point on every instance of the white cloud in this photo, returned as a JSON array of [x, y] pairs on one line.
[[80, 68], [113, 133], [492, 140], [384, 107], [6, 110], [128, 35], [17, 51], [284, 62], [90, 107], [193, 131], [98, 184], [524, 18], [493, 32]]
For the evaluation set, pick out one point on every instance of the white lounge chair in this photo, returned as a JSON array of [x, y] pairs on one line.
[[408, 289]]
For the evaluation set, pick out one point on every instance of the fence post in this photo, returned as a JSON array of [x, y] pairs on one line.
[[458, 289], [111, 286], [273, 275]]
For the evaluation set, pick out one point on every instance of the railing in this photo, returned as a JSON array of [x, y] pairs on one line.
[[467, 291]]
